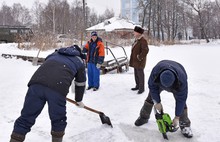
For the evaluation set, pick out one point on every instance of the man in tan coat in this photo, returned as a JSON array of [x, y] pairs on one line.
[[138, 58]]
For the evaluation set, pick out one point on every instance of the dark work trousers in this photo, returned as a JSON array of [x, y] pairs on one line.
[[36, 97], [139, 78]]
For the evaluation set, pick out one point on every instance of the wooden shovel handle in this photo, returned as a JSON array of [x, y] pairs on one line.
[[86, 107]]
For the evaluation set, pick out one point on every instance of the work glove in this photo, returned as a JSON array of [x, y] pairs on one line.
[[80, 104], [98, 66], [175, 122], [158, 107]]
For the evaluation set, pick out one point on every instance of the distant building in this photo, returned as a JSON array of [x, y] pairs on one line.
[[114, 28], [113, 24], [129, 10]]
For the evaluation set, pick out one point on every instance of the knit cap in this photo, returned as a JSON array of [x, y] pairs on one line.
[[167, 78]]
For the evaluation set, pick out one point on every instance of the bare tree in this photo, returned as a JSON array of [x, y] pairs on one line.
[[92, 19], [217, 3], [76, 19], [6, 16], [21, 15], [186, 20], [214, 21], [37, 10], [50, 15], [200, 6], [109, 13], [63, 22], [143, 6], [163, 19], [149, 18]]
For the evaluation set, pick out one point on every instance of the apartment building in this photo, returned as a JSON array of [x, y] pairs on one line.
[[129, 10]]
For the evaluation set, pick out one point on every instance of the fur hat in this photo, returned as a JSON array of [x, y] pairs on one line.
[[94, 33], [139, 29], [167, 78]]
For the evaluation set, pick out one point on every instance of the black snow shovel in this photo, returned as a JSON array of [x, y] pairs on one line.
[[105, 119]]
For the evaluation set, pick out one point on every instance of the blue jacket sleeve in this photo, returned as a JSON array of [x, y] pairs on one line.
[[180, 98], [154, 89], [100, 59], [80, 84]]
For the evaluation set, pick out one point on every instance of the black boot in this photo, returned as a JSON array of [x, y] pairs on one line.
[[144, 114], [140, 121], [15, 137], [185, 123], [90, 87], [140, 91], [57, 136], [135, 88]]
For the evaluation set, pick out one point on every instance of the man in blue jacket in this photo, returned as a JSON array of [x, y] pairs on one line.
[[50, 84], [169, 76]]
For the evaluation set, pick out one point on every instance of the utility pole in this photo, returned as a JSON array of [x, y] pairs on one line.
[[84, 15], [84, 22]]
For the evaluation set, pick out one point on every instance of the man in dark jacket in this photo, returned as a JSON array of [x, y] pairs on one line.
[[169, 76], [138, 58], [50, 83]]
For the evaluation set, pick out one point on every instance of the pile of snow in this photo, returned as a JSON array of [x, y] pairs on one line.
[[117, 101]]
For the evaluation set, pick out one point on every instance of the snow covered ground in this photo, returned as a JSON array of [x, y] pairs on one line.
[[117, 101]]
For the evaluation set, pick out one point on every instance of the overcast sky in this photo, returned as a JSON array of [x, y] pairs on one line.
[[98, 5]]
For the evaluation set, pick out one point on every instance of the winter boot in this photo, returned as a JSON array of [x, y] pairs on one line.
[[144, 114], [184, 123], [54, 139], [135, 88], [15, 137], [57, 136]]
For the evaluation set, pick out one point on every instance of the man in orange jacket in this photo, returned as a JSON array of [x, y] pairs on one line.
[[95, 57]]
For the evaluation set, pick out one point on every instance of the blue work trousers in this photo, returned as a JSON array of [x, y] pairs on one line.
[[36, 97], [93, 75]]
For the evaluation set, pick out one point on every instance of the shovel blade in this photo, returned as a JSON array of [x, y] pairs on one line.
[[105, 119]]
